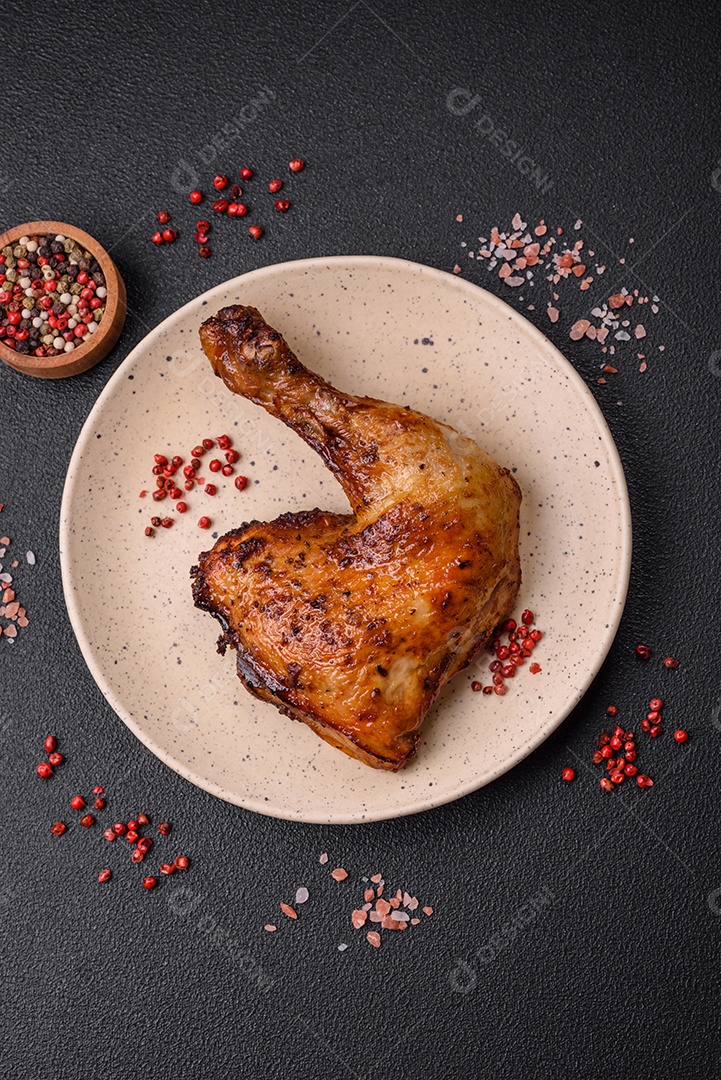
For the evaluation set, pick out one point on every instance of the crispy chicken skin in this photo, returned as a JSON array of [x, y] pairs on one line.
[[353, 623]]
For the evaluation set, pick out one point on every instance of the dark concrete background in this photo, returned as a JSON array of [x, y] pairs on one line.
[[617, 972]]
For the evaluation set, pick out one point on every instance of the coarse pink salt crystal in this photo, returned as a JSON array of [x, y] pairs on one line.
[[339, 874], [324, 858], [269, 927], [289, 911], [390, 924], [578, 329], [459, 217], [414, 922], [643, 366], [456, 269], [640, 331], [376, 878], [505, 271], [382, 907], [428, 910], [552, 313], [369, 895], [358, 918], [540, 230], [518, 222], [11, 631], [373, 938]]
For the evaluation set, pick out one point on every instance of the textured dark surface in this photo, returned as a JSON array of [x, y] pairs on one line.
[[616, 971]]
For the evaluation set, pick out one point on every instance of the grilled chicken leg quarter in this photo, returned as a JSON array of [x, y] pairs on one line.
[[353, 623]]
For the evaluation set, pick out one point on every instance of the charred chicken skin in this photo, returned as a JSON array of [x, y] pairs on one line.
[[354, 622]]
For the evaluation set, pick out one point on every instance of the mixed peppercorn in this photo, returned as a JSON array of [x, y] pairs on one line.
[[53, 295]]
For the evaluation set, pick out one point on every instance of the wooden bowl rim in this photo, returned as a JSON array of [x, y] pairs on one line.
[[106, 335]]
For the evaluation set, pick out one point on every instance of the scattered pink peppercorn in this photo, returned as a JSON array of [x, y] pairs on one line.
[[119, 828], [99, 803], [643, 651], [170, 236], [282, 205], [255, 231], [204, 252], [58, 828], [164, 828], [87, 820], [246, 174], [149, 882], [167, 869], [196, 196], [241, 482], [77, 802], [680, 735], [220, 182], [204, 523], [670, 663], [45, 770], [568, 774], [109, 835], [296, 165], [163, 217], [104, 875], [275, 185], [157, 238], [182, 862], [50, 744]]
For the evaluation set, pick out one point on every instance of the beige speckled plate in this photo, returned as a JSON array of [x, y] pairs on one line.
[[389, 329]]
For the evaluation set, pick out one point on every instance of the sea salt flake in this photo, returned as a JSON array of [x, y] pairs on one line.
[[301, 895], [622, 336], [30, 558], [324, 858], [342, 947]]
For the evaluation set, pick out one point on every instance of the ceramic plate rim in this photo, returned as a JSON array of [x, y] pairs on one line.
[[550, 353]]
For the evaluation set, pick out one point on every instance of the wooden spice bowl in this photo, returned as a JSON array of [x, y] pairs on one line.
[[94, 348]]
